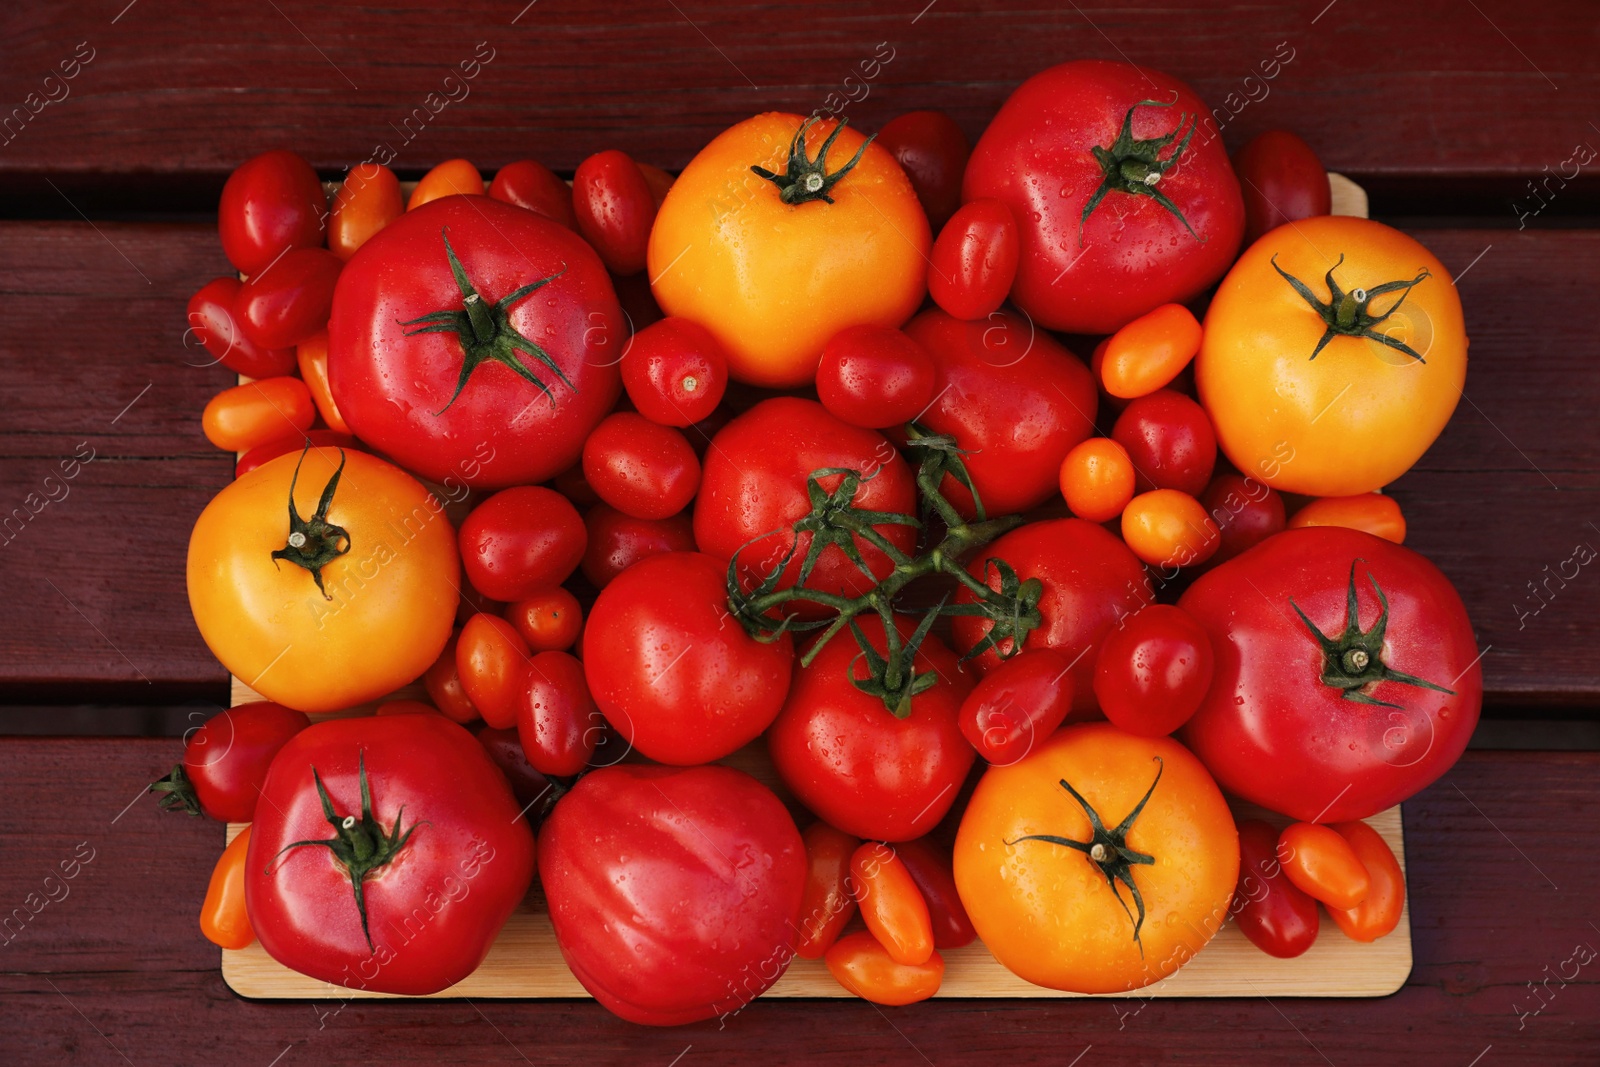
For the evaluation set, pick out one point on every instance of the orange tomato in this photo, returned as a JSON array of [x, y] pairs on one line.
[[223, 918], [1097, 479], [1169, 528], [774, 279], [443, 682], [312, 355], [1323, 865], [240, 418], [549, 620], [826, 905], [449, 178], [1375, 513], [865, 968], [492, 659], [368, 201], [1380, 913], [891, 904], [1150, 351]]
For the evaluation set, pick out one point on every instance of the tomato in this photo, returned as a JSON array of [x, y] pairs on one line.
[[445, 689], [1282, 180], [405, 707], [359, 608], [311, 354], [290, 299], [1275, 914], [1168, 528], [367, 201], [453, 177], [1119, 209], [534, 792], [549, 619], [387, 855], [1375, 513], [1334, 353], [1322, 865], [521, 540], [1018, 704], [974, 260], [211, 320], [1057, 913], [679, 679], [1350, 708], [874, 376], [675, 372], [658, 180], [891, 904], [1246, 512], [223, 919], [556, 718], [1013, 398], [322, 440], [271, 202], [930, 868], [1147, 353], [856, 765], [864, 967], [1153, 670], [530, 184], [639, 467], [491, 659], [618, 541], [1169, 440], [1380, 912], [614, 207], [710, 927], [933, 151], [827, 905], [1097, 479], [244, 416], [225, 761], [504, 401], [812, 229]]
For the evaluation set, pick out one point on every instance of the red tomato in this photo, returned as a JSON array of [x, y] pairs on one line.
[[1119, 210], [874, 376], [225, 761], [270, 203], [1274, 913], [865, 968], [311, 355], [211, 320], [1149, 352], [1323, 865], [520, 541], [530, 184], [827, 905], [290, 299], [1380, 912], [614, 208], [618, 541], [930, 868], [549, 619], [1153, 670], [532, 789], [443, 682], [639, 467], [367, 201], [240, 418], [891, 904], [491, 659], [932, 150], [1170, 441], [675, 372], [556, 718], [282, 446], [710, 927], [1018, 704], [1377, 513], [1282, 180], [680, 679], [1246, 511], [974, 261], [453, 177]]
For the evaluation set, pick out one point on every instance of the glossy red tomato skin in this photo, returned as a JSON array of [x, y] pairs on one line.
[[211, 319], [1013, 397], [618, 541], [549, 619], [1153, 670], [1090, 579], [1018, 704], [1277, 916], [226, 759], [469, 841], [678, 678], [501, 430], [974, 261], [849, 760], [491, 660], [639, 467], [1271, 732], [614, 207], [932, 150], [530, 184], [1170, 440], [1282, 181], [1247, 511], [271, 202], [290, 299], [930, 868], [675, 372], [520, 540], [532, 789], [1133, 255], [710, 926], [258, 455], [874, 377], [556, 718]]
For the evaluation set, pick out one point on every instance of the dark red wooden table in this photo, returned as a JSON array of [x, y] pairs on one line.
[[1466, 119]]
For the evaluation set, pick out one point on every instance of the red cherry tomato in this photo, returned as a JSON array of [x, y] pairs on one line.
[[532, 789], [932, 150], [891, 904], [1018, 704], [521, 540], [1170, 441], [211, 319], [1149, 352], [270, 203], [1246, 511], [556, 718], [675, 372], [290, 299], [865, 968], [614, 208], [453, 177], [530, 184], [1282, 181], [367, 201], [282, 446], [1153, 670], [974, 261], [930, 868], [1380, 913], [639, 467], [225, 760], [443, 683], [874, 376], [550, 620], [618, 541], [827, 905], [1323, 864], [492, 659], [1272, 911], [240, 418]]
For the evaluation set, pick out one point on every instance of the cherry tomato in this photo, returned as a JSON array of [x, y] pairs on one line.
[[614, 208], [875, 377], [368, 201], [1282, 181], [532, 789], [570, 484], [226, 760], [290, 299], [211, 319], [930, 868], [1323, 864], [974, 261], [556, 718], [865, 968], [312, 356], [405, 707], [1018, 704], [675, 372], [1376, 513], [1168, 528], [1246, 511], [1097, 479], [1153, 670], [1150, 351], [1274, 913], [530, 184], [521, 540], [932, 150], [450, 178], [330, 440], [1380, 912], [618, 541], [659, 181], [891, 904], [270, 203], [1170, 441], [639, 467], [223, 918], [827, 905], [550, 620], [240, 418], [492, 658], [443, 682]]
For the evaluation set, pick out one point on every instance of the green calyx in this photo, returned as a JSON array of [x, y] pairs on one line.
[[1135, 167], [1352, 661], [1348, 315], [315, 542], [805, 179], [176, 792], [485, 330]]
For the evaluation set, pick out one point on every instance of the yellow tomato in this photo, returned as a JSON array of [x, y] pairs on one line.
[[773, 278]]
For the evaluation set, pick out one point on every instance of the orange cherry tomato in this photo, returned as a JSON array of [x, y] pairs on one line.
[[1374, 513], [1097, 479], [492, 658], [239, 419], [550, 620], [1149, 352], [1386, 896], [447, 179], [368, 201], [443, 682], [1169, 528], [826, 905], [891, 904], [405, 707], [1323, 865], [865, 968], [312, 355], [222, 917], [657, 179]]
